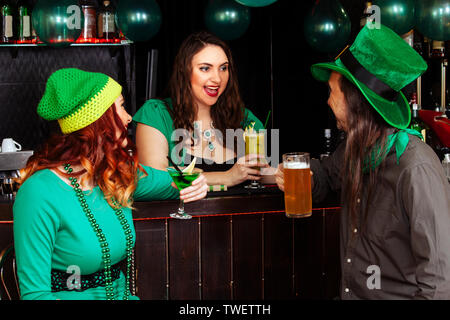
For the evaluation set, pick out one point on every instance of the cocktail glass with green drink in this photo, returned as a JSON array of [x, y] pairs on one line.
[[183, 180]]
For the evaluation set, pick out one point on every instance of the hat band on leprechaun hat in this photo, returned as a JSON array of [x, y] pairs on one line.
[[93, 109], [364, 76]]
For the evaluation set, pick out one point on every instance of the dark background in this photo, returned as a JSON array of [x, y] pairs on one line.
[[273, 47], [274, 40]]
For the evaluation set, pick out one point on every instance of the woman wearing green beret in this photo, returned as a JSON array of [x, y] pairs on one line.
[[204, 102], [395, 215], [72, 214]]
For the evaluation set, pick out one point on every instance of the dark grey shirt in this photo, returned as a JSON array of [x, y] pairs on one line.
[[402, 251]]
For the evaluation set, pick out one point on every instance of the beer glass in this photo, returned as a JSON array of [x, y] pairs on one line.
[[297, 185]]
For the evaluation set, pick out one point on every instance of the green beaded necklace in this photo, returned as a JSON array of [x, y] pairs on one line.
[[102, 239]]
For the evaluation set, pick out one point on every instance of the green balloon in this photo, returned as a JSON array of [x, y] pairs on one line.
[[139, 20], [57, 22], [227, 19], [327, 26], [397, 14], [256, 3], [433, 19]]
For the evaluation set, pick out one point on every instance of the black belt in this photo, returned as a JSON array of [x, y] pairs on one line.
[[93, 280]]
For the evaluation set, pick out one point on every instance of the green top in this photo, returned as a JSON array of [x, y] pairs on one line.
[[52, 232], [154, 113]]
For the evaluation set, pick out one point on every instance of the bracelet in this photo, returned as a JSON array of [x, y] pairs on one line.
[[218, 187]]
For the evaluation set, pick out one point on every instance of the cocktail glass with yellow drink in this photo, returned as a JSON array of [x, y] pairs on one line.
[[254, 144], [183, 180]]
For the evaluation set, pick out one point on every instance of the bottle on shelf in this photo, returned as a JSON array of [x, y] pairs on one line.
[[426, 48], [416, 123], [438, 49], [106, 26], [24, 34], [89, 29], [327, 145], [434, 79], [7, 17]]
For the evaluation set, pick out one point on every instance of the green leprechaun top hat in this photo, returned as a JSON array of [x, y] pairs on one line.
[[380, 63], [77, 98]]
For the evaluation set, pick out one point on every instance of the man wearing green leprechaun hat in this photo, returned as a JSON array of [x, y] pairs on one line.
[[395, 216]]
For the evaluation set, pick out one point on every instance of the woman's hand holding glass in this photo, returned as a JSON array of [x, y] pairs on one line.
[[246, 168], [196, 191]]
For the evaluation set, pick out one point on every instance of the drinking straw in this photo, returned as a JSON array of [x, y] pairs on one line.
[[178, 169], [267, 119]]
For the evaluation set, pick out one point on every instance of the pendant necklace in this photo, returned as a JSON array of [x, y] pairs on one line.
[[207, 134]]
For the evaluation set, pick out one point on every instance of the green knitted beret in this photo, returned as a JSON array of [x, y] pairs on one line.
[[77, 98]]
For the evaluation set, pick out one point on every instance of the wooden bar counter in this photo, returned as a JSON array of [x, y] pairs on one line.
[[236, 247]]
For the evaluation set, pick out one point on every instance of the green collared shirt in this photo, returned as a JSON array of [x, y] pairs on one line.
[[405, 241]]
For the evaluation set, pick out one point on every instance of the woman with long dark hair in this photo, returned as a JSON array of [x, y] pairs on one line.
[[72, 214], [204, 102], [395, 213]]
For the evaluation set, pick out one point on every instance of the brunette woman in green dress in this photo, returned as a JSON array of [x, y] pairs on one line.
[[203, 101]]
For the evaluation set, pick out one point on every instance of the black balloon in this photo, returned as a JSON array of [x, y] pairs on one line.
[[433, 19], [57, 23], [327, 26], [397, 14], [256, 3], [227, 19], [139, 20]]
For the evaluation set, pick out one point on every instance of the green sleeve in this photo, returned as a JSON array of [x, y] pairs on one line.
[[35, 227], [154, 113], [155, 186], [250, 117]]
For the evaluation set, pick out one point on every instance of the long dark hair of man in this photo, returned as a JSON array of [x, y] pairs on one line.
[[365, 128], [228, 112]]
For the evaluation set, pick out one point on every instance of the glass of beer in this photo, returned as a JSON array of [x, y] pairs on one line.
[[297, 185], [254, 144]]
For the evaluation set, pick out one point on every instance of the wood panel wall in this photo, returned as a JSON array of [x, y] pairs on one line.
[[239, 256]]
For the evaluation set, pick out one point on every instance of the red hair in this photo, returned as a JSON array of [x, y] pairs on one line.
[[99, 151]]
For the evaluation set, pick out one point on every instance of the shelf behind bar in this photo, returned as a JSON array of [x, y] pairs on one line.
[[122, 43]]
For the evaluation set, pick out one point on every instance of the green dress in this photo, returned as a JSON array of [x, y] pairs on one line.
[[154, 113], [52, 232]]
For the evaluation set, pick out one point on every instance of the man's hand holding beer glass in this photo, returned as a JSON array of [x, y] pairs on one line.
[[279, 177]]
